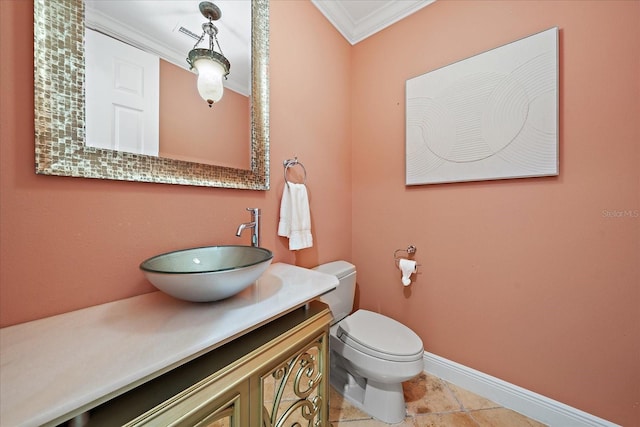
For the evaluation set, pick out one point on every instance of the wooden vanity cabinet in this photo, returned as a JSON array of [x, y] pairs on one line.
[[276, 373]]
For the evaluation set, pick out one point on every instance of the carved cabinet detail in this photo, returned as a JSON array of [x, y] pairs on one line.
[[293, 393]]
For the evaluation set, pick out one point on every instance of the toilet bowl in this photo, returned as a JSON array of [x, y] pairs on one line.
[[371, 354]]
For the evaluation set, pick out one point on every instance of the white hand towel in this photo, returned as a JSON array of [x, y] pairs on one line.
[[295, 217], [284, 226]]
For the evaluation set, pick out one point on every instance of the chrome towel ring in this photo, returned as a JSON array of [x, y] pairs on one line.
[[290, 163]]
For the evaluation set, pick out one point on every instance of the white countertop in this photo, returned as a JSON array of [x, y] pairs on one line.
[[51, 367]]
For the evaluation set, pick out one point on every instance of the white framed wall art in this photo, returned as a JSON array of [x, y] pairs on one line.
[[490, 116]]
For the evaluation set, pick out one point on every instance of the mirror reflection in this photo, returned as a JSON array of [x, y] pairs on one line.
[[138, 69], [60, 115]]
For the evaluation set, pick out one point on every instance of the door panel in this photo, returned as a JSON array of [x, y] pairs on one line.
[[122, 96]]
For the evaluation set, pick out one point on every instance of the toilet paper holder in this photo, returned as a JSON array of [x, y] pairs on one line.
[[410, 251]]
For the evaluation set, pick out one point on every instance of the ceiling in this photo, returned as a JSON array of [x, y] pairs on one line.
[[358, 19]]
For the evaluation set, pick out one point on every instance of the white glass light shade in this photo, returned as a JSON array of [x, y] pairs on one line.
[[210, 73]]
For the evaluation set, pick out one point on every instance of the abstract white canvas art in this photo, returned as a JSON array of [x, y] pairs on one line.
[[491, 116]]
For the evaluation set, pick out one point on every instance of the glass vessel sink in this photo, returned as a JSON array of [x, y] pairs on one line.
[[209, 273]]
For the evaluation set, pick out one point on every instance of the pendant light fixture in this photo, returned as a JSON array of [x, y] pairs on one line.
[[210, 65]]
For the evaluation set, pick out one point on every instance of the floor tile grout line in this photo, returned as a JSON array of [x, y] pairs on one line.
[[453, 393], [462, 405]]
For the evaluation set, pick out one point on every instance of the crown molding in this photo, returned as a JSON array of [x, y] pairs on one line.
[[384, 14]]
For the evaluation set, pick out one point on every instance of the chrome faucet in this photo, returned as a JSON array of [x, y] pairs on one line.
[[254, 225]]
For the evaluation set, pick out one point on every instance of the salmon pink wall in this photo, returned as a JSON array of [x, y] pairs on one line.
[[190, 130], [67, 243], [535, 281]]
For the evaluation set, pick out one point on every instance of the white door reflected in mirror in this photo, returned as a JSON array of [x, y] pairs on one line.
[[122, 96]]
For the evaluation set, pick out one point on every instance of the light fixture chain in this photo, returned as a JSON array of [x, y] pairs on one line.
[[218, 43], [199, 40]]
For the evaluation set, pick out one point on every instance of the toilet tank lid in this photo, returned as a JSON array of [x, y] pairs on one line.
[[337, 268]]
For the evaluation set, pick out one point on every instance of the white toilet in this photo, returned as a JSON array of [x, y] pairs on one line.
[[371, 354]]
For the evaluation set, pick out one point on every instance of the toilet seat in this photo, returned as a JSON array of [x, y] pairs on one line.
[[380, 336]]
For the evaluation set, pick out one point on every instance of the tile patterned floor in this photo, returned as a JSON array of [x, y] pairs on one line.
[[433, 402]]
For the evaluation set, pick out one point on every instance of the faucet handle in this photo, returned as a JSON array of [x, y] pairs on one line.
[[254, 211]]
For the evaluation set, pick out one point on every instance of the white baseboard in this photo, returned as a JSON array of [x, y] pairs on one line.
[[528, 403]]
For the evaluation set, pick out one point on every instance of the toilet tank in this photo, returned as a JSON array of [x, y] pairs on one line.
[[340, 300]]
